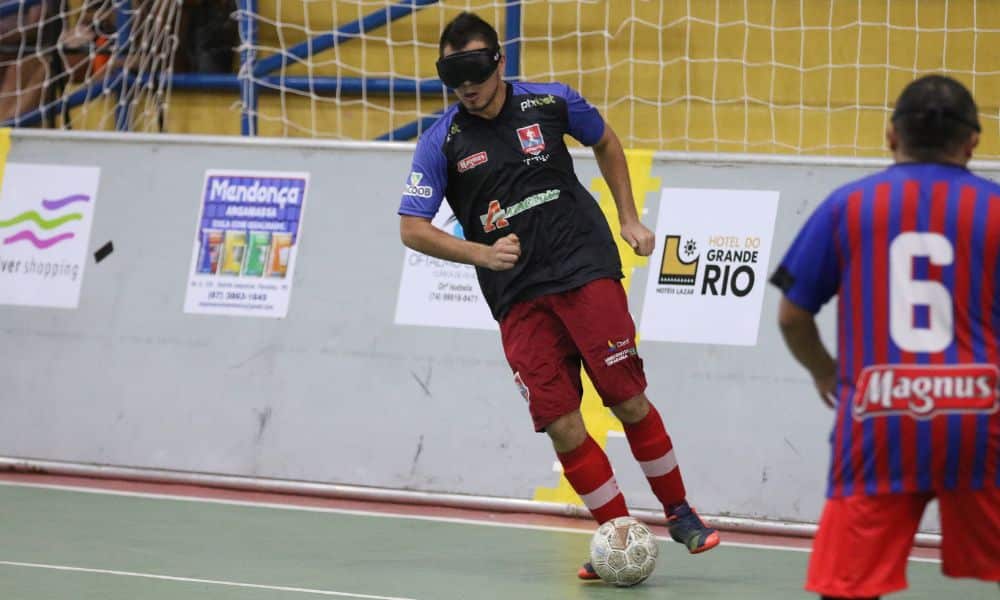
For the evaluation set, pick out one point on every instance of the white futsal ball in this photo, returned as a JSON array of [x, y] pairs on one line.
[[623, 551]]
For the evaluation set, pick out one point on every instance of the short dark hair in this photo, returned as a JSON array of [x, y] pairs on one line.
[[465, 28], [934, 116]]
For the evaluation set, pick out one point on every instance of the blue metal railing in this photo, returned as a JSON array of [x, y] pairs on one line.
[[512, 33], [322, 85], [123, 38], [410, 130], [249, 36], [93, 91], [13, 7], [254, 76]]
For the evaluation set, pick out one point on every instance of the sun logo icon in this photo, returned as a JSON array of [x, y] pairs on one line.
[[690, 248]]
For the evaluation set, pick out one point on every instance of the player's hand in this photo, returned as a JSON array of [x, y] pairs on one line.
[[826, 385], [639, 237], [504, 253]]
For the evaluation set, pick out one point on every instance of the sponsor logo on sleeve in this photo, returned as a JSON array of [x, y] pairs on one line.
[[413, 188]]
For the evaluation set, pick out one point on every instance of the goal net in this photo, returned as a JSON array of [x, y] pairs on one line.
[[788, 76], [772, 76], [87, 64]]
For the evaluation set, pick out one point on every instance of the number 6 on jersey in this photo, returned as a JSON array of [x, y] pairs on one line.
[[906, 293]]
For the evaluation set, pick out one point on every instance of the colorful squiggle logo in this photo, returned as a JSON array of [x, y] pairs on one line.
[[45, 224]]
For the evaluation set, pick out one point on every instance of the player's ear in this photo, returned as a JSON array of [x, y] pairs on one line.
[[891, 137], [971, 144], [501, 64]]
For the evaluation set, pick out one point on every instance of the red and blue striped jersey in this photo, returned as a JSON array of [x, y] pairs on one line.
[[912, 254]]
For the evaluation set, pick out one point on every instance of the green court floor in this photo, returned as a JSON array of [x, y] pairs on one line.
[[57, 544]]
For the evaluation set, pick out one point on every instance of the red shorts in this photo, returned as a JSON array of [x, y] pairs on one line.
[[863, 542], [546, 340]]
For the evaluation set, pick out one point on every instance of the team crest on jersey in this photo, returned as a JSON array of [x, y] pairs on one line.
[[531, 138], [923, 391], [473, 161]]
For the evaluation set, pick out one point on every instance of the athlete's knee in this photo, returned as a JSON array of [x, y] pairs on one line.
[[567, 432], [632, 410]]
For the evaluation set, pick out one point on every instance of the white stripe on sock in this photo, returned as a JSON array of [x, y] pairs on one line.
[[659, 466], [602, 495]]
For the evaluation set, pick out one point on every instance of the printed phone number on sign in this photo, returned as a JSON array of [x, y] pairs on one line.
[[238, 296]]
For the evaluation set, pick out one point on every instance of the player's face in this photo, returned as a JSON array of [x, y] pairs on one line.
[[477, 97]]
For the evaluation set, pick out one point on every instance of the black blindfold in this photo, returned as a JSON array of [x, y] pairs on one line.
[[475, 66]]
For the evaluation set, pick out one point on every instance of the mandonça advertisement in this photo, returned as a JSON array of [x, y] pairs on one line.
[[46, 213], [248, 233], [706, 283]]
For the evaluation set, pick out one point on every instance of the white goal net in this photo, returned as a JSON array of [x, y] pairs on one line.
[[790, 76], [784, 76]]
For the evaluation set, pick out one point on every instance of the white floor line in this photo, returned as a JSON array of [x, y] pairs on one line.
[[278, 588], [583, 529]]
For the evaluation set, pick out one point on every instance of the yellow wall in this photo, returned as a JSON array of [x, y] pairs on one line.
[[655, 72]]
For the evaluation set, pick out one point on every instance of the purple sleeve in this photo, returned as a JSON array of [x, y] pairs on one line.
[[809, 275], [585, 123], [424, 187]]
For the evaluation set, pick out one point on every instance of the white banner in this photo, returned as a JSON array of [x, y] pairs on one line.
[[440, 293], [706, 284], [46, 212], [247, 237]]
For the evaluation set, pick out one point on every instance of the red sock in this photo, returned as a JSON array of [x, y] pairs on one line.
[[589, 472], [652, 447]]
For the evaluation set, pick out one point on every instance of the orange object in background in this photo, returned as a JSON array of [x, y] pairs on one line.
[[100, 58]]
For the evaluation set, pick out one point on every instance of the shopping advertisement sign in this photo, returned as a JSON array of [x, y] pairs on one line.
[[46, 213], [706, 281], [246, 241]]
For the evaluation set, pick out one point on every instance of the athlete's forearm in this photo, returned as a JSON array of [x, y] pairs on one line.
[[611, 160], [798, 327], [419, 234]]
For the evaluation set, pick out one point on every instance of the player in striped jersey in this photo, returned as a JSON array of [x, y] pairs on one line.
[[912, 254]]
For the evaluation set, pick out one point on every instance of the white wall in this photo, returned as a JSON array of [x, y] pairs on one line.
[[330, 393]]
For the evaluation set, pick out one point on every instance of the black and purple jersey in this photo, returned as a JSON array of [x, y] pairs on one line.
[[514, 174], [912, 254]]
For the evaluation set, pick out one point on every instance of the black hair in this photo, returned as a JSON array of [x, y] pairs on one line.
[[465, 28], [934, 116]]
